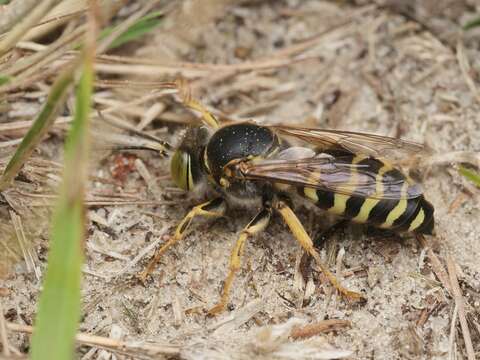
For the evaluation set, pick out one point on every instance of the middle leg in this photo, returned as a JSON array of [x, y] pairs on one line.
[[258, 224]]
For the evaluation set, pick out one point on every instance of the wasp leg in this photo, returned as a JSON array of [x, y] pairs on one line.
[[302, 237], [258, 224], [212, 208], [318, 242], [208, 118]]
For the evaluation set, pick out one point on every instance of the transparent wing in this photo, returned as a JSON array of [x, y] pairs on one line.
[[356, 142], [333, 173]]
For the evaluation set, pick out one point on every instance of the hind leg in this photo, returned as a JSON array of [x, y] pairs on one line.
[[305, 241], [319, 241]]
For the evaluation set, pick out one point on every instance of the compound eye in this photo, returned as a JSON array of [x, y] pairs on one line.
[[181, 170]]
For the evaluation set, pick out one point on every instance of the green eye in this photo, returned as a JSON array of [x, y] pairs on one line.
[[181, 170]]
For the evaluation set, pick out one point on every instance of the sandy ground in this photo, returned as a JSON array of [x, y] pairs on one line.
[[370, 69]]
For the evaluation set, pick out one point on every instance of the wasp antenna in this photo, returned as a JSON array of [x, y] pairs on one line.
[[124, 148], [146, 141]]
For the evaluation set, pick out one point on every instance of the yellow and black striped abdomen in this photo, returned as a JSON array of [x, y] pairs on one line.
[[398, 214]]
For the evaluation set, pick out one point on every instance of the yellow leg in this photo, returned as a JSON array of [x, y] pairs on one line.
[[258, 224], [302, 237], [208, 118], [212, 208]]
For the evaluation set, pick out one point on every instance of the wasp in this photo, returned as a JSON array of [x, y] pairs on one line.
[[272, 168]]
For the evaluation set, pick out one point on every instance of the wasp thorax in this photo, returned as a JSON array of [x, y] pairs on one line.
[[235, 143]]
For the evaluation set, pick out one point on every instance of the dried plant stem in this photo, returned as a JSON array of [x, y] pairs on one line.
[[41, 125], [460, 304], [108, 343], [30, 65], [437, 266], [307, 331]]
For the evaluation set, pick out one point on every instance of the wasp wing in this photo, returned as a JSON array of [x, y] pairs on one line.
[[335, 174], [355, 142]]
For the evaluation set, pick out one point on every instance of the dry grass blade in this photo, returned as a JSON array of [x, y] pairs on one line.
[[273, 342], [466, 69], [14, 12], [33, 16], [60, 15], [460, 304], [41, 125], [28, 255], [453, 330], [28, 66], [238, 318]]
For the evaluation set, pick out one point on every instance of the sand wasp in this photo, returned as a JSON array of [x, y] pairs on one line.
[[273, 167]]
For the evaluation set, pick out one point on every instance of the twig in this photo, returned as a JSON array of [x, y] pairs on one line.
[[307, 331], [460, 303]]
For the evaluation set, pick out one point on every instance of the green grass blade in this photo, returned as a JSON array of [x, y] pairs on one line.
[[141, 27], [59, 304], [472, 24], [4, 79], [471, 175], [42, 123]]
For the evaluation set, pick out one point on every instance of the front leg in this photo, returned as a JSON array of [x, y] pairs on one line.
[[212, 208], [258, 224]]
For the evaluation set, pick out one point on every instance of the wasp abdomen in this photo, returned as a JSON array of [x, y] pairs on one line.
[[405, 213]]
